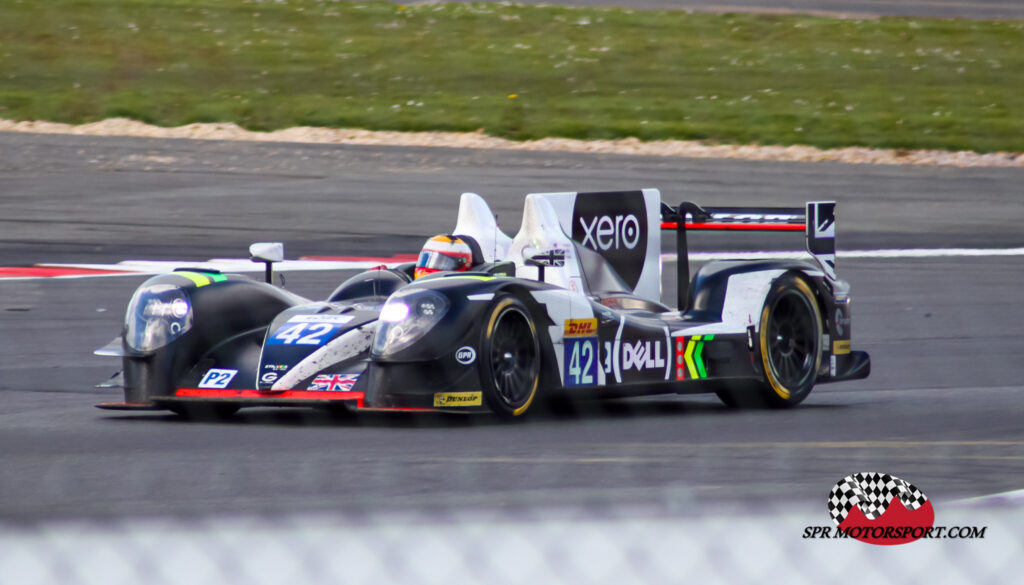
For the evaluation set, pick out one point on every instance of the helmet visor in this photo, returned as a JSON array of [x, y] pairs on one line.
[[435, 260], [432, 261]]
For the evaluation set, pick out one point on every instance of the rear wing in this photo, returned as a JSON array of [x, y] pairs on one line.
[[817, 221]]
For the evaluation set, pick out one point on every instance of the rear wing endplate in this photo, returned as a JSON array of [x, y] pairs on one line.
[[817, 221]]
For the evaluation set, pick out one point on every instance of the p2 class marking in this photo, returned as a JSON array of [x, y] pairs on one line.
[[217, 378]]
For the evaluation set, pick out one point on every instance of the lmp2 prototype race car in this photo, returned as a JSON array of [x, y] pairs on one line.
[[568, 307]]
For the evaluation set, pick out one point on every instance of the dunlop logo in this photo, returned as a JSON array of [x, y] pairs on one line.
[[448, 399]]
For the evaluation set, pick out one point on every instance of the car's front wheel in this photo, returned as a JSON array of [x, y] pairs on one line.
[[510, 358]]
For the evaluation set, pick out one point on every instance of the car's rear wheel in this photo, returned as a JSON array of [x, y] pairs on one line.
[[510, 358], [789, 347]]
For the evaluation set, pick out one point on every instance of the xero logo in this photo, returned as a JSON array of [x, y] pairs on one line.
[[615, 226], [610, 232]]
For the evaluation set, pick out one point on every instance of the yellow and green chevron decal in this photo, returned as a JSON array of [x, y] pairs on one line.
[[690, 357], [202, 278]]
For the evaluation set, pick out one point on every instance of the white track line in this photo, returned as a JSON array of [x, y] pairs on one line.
[[142, 267]]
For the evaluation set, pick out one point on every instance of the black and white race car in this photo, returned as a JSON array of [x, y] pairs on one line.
[[568, 307]]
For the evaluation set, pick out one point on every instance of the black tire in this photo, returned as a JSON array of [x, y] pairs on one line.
[[509, 361], [204, 411], [789, 346]]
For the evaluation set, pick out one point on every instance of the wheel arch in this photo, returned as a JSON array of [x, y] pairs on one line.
[[550, 377]]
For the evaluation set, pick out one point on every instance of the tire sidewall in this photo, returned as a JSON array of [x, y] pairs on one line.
[[491, 394], [775, 392]]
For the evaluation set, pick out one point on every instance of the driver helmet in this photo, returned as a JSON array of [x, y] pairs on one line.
[[448, 253]]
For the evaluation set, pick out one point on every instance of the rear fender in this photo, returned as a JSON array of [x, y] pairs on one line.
[[732, 292]]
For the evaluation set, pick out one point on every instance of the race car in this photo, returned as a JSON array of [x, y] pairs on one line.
[[569, 307]]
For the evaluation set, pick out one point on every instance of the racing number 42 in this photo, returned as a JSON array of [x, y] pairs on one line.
[[303, 333], [581, 357]]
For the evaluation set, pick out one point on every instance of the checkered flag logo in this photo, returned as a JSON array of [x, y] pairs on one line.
[[872, 493]]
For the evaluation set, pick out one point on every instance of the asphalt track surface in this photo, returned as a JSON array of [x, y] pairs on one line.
[[940, 409], [974, 9]]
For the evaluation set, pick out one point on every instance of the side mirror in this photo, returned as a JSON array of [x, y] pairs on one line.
[[268, 253], [543, 258]]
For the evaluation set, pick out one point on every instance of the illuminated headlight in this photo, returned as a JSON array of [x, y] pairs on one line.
[[406, 317], [157, 315]]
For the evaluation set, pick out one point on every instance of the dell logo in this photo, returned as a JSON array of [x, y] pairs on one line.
[[607, 232], [465, 355], [642, 355]]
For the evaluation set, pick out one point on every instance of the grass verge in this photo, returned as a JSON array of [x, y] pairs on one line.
[[518, 71]]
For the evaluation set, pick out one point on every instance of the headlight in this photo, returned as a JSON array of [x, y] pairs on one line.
[[406, 317], [157, 315]]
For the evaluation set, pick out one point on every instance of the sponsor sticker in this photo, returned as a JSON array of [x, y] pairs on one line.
[[842, 322], [615, 226], [465, 355], [333, 382], [217, 378], [840, 347], [644, 354], [580, 327], [338, 319], [458, 399], [879, 508], [268, 377]]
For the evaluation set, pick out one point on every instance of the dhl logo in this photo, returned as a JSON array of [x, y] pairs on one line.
[[580, 327]]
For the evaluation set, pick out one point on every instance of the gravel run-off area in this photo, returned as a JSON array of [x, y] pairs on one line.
[[680, 148]]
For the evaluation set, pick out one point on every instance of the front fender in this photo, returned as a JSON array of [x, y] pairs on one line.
[[223, 308]]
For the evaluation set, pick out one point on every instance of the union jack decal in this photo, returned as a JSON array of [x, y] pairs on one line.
[[333, 382]]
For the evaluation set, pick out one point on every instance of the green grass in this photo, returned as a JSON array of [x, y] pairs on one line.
[[581, 73]]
